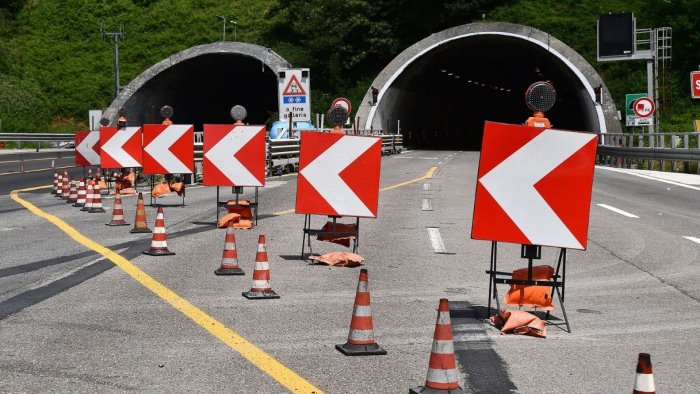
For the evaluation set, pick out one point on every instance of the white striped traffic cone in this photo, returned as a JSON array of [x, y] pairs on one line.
[[443, 375], [80, 202], [118, 212], [261, 275], [72, 192], [361, 337], [159, 240], [55, 183], [88, 197], [644, 382], [229, 260], [96, 206], [59, 185], [65, 186]]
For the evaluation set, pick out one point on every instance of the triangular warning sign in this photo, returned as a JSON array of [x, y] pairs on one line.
[[294, 88]]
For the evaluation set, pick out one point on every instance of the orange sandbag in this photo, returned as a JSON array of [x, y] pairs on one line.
[[160, 190], [520, 323], [130, 177], [339, 259], [103, 186], [340, 228], [223, 222], [243, 224], [178, 187], [531, 296], [242, 208]]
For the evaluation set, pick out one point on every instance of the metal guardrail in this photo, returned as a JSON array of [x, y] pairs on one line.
[[43, 137], [620, 149]]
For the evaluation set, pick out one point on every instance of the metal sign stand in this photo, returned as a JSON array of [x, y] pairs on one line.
[[529, 252], [309, 232]]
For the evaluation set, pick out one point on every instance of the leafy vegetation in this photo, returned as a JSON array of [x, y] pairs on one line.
[[54, 64]]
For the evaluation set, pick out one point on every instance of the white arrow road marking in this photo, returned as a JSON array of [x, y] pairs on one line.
[[114, 147], [323, 175], [511, 183], [222, 156], [85, 147], [159, 149]]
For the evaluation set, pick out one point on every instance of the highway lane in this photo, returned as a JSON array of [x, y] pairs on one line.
[[37, 167], [633, 290]]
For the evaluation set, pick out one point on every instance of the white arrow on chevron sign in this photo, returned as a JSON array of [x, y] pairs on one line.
[[85, 147], [114, 147], [222, 156], [159, 149], [324, 175], [511, 184]]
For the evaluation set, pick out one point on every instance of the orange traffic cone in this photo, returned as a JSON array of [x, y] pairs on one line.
[[117, 212], [159, 243], [361, 337], [644, 382], [229, 261], [55, 182], [72, 192], [88, 197], [96, 200], [140, 225], [261, 275], [80, 202], [442, 368]]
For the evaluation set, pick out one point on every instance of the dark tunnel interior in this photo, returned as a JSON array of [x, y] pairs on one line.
[[203, 89], [442, 99]]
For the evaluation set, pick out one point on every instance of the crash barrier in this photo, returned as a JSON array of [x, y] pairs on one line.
[[627, 150], [527, 285]]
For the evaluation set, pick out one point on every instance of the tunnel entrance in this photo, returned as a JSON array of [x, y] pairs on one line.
[[455, 80], [202, 83]]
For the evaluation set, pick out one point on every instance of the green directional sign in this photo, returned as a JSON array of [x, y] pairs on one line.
[[631, 118]]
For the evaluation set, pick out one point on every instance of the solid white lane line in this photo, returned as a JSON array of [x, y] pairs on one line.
[[436, 240], [617, 210], [689, 238], [670, 182]]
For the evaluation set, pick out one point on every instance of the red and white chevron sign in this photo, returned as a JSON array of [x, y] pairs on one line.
[[233, 155], [338, 174], [87, 148], [168, 149], [120, 147], [534, 186]]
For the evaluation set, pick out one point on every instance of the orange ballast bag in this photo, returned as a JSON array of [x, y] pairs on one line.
[[531, 296]]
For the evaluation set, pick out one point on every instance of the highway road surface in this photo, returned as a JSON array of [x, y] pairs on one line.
[[83, 310]]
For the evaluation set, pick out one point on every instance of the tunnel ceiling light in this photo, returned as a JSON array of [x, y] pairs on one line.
[[457, 76], [443, 70], [449, 73], [469, 80]]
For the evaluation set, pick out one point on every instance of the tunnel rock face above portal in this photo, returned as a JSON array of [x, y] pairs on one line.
[[439, 91], [202, 83]]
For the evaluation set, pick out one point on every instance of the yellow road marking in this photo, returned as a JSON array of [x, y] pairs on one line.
[[276, 370], [427, 175], [38, 170]]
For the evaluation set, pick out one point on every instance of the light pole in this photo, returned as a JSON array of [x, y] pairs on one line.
[[234, 28], [223, 30]]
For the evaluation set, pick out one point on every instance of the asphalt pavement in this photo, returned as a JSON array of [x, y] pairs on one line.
[[73, 320]]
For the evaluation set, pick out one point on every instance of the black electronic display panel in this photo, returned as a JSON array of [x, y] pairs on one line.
[[616, 35]]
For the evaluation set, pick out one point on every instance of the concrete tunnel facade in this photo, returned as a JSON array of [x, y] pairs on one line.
[[437, 93]]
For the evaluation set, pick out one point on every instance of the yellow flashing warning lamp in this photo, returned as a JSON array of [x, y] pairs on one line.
[[540, 97], [121, 121]]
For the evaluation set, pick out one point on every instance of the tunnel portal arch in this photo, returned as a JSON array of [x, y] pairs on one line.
[[440, 90], [202, 83]]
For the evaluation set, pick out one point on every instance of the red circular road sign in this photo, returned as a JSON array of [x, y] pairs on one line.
[[343, 102], [643, 107]]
